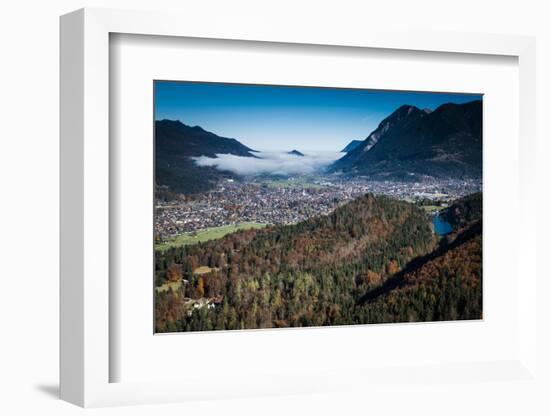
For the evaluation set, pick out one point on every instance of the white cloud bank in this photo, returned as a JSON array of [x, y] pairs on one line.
[[270, 163]]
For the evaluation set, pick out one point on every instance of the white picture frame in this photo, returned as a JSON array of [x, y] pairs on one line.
[[85, 353]]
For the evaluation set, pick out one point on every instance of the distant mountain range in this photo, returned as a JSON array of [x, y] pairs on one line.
[[408, 144], [351, 145], [175, 146], [446, 142]]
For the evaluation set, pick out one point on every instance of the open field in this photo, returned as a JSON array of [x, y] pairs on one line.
[[432, 208], [299, 182], [204, 270], [205, 235], [169, 285]]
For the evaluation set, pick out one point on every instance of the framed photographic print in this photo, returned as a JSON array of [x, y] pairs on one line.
[[267, 212]]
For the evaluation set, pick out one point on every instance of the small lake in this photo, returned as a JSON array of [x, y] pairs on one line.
[[441, 227]]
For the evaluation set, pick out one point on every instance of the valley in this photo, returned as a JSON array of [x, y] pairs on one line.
[[385, 229]]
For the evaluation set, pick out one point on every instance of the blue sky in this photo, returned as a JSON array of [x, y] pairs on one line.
[[278, 118]]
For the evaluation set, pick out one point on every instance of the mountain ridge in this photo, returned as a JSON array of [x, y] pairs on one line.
[[351, 145], [177, 143], [445, 142]]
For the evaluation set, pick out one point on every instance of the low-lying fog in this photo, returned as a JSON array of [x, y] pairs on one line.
[[271, 163]]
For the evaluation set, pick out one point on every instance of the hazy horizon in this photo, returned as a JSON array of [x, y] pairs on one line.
[[283, 118]]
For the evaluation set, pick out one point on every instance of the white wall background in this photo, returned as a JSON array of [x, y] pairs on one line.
[[29, 206]]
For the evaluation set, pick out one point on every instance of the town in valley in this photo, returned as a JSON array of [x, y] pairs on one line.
[[290, 200]]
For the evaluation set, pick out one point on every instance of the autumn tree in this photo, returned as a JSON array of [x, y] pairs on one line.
[[200, 287], [173, 274]]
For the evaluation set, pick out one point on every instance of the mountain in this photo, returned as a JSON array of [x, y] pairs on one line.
[[175, 146], [351, 145], [295, 153], [446, 142]]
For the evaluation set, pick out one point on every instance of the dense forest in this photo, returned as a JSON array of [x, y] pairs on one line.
[[372, 260], [464, 211]]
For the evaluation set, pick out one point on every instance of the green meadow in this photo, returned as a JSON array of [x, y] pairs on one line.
[[205, 235]]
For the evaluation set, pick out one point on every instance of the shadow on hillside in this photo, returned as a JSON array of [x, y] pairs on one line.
[[397, 280]]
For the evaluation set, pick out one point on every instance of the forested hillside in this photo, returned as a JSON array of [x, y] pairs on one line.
[[374, 259], [464, 211], [445, 285]]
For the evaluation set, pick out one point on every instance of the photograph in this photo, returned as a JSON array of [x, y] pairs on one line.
[[279, 206]]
